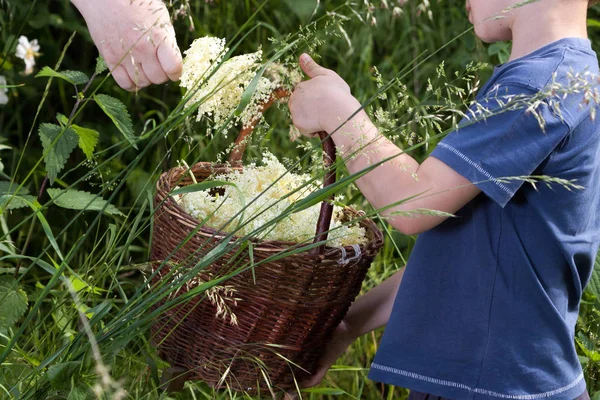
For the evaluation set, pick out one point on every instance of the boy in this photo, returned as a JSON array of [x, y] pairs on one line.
[[487, 304]]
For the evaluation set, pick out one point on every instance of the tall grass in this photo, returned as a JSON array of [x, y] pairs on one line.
[[84, 331]]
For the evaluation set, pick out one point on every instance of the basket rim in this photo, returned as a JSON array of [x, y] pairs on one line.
[[164, 187]]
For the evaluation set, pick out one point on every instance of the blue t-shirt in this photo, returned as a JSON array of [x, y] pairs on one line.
[[489, 299]]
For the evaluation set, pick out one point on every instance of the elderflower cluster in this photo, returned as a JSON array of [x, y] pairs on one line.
[[264, 193], [218, 86]]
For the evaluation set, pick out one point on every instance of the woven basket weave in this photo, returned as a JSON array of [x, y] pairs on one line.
[[286, 309]]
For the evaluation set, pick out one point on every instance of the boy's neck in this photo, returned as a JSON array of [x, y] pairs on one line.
[[539, 26]]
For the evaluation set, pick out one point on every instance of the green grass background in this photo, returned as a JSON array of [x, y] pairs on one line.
[[45, 354]]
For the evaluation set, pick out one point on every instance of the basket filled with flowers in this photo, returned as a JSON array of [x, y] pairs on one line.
[[260, 276]]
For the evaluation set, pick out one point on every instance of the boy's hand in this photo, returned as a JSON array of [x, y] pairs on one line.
[[136, 40], [342, 339], [322, 103]]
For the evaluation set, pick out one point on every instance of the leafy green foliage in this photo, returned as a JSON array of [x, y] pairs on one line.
[[8, 199], [88, 139], [500, 50], [118, 113], [78, 200], [105, 258], [13, 302], [594, 285], [58, 144], [60, 375], [100, 66], [73, 77]]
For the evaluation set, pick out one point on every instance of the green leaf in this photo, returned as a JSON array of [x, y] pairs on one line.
[[197, 187], [88, 139], [324, 193], [7, 64], [594, 285], [8, 197], [118, 114], [501, 50], [56, 155], [60, 375], [100, 65], [79, 200], [79, 392], [62, 119], [593, 23], [13, 302], [73, 77]]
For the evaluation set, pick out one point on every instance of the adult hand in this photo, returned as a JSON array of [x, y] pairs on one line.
[[321, 103], [135, 38]]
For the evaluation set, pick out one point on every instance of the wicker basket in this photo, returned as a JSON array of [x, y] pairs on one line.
[[287, 309]]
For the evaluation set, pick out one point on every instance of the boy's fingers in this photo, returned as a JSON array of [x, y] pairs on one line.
[[311, 68]]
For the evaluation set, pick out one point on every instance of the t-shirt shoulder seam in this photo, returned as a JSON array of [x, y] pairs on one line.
[[475, 165]]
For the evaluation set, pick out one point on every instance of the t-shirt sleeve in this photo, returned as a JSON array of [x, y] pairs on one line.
[[497, 151]]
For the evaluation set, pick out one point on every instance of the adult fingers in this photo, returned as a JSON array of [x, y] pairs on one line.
[[169, 57], [121, 76], [154, 71], [311, 68], [137, 75]]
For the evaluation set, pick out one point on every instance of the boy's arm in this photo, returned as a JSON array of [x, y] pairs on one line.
[[324, 102], [369, 312], [136, 40]]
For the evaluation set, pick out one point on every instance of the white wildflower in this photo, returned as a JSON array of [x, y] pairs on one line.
[[28, 51], [3, 91], [203, 55], [219, 87], [261, 208]]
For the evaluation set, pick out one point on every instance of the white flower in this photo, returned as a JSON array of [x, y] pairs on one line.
[[3, 91], [263, 201], [28, 51], [218, 88]]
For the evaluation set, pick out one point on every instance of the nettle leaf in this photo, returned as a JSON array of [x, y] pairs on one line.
[[79, 200], [88, 139], [79, 392], [60, 375], [73, 77], [8, 199], [117, 111], [13, 302], [100, 65], [56, 156]]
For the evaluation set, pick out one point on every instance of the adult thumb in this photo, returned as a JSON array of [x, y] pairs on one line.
[[310, 67]]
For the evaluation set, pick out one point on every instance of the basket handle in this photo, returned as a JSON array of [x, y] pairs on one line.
[[324, 221]]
